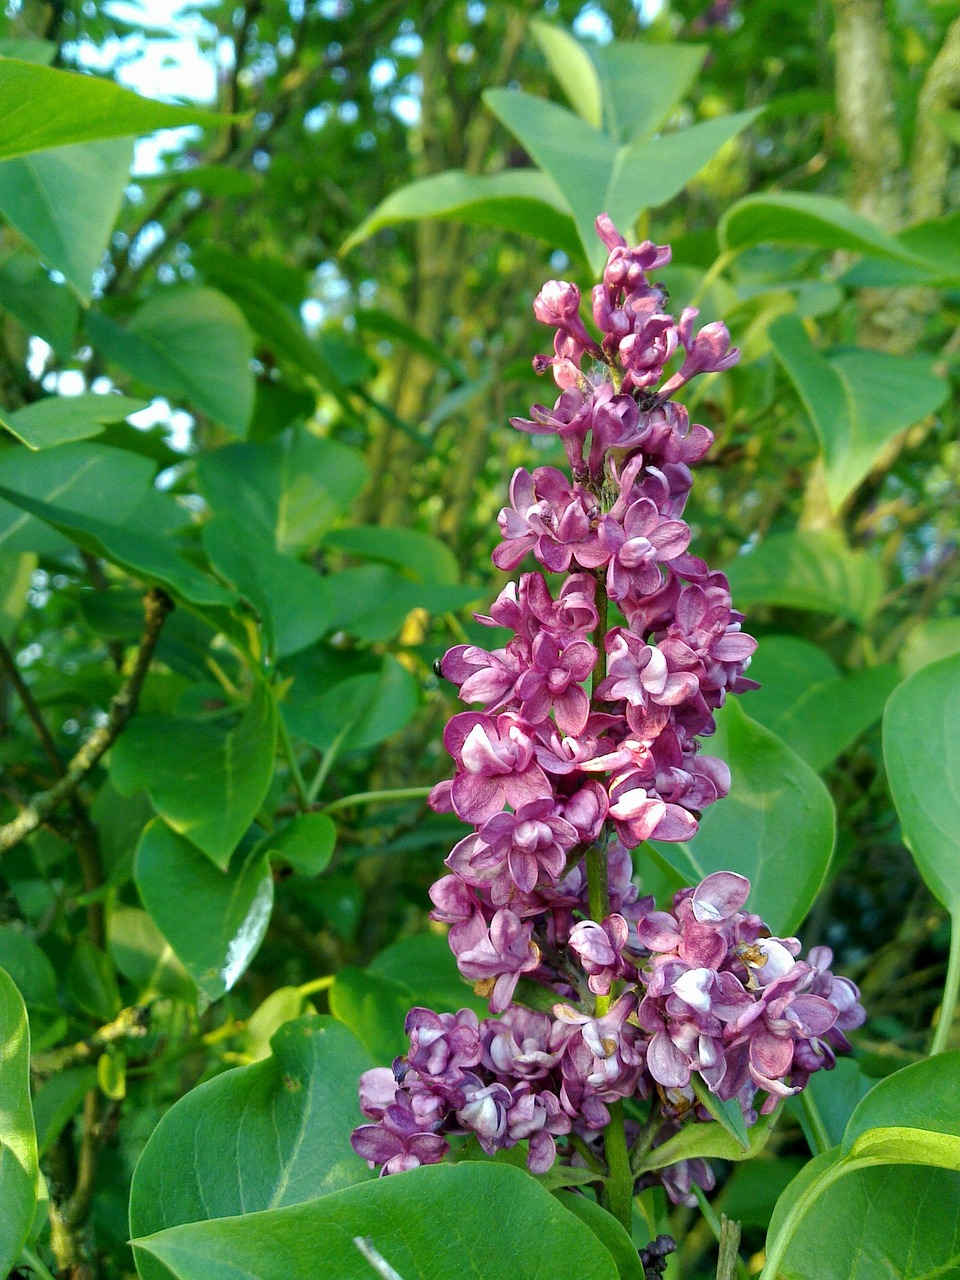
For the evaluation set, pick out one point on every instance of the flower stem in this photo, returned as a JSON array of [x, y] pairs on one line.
[[289, 751], [948, 1005], [618, 1192]]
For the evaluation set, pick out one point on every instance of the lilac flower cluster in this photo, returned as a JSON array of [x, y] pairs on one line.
[[560, 783]]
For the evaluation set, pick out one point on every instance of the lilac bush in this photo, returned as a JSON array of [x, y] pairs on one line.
[[619, 1002]]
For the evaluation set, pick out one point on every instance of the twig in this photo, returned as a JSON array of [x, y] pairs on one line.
[[125, 1026], [157, 604], [9, 664], [729, 1258], [87, 840]]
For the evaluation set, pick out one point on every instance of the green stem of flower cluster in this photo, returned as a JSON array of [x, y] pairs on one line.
[[618, 1192], [618, 1189]]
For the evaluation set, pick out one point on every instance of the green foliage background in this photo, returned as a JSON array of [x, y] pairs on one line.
[[218, 623]]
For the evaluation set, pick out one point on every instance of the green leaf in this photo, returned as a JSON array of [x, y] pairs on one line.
[[372, 602], [147, 558], [66, 202], [577, 157], [880, 1223], [19, 1171], [608, 1231], [358, 712], [806, 702], [260, 1137], [908, 1118], [80, 478], [727, 1114], [921, 749], [208, 784], [642, 83], [709, 1142], [594, 174], [858, 401], [307, 842], [374, 1002], [61, 419], [374, 1008], [425, 964], [58, 1100], [808, 570], [16, 575], [49, 311], [776, 827], [466, 1221], [791, 217], [92, 983], [144, 957], [218, 934], [571, 64], [42, 108], [289, 492], [30, 969], [42, 51], [653, 171], [278, 326], [920, 1098], [192, 344], [932, 640], [520, 200], [293, 600], [427, 557]]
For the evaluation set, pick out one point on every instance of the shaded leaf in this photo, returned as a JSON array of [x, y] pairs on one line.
[[307, 842], [80, 478], [66, 202], [208, 784], [19, 1171], [793, 217], [144, 957], [285, 1122], [41, 108], [147, 558], [808, 570], [520, 200], [192, 344], [776, 827], [218, 936], [292, 599], [858, 401], [60, 419], [466, 1221], [48, 310], [921, 749], [289, 491], [358, 712], [427, 557]]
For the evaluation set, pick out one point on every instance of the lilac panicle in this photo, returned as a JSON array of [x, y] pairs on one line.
[[641, 1000]]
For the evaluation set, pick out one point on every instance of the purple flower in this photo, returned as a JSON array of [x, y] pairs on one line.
[[397, 1142], [632, 551], [496, 765], [598, 947], [499, 957], [544, 775], [442, 1044], [553, 682]]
